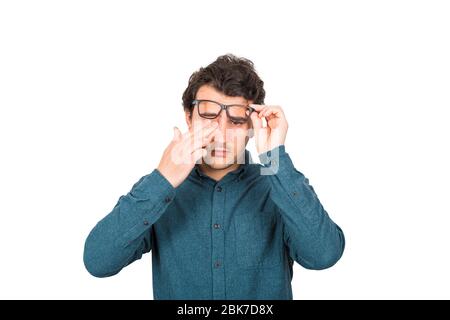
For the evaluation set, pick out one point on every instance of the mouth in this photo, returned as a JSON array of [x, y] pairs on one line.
[[220, 153]]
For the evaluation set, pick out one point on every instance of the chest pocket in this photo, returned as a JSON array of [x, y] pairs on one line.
[[258, 239]]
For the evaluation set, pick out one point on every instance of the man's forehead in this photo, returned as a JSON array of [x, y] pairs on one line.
[[210, 93]]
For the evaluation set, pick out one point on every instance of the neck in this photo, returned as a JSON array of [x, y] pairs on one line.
[[217, 174]]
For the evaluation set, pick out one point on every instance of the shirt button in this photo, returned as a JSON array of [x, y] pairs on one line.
[[216, 226], [167, 199], [217, 264], [219, 189], [145, 223]]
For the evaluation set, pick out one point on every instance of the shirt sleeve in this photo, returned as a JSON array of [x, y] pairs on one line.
[[125, 233], [313, 239]]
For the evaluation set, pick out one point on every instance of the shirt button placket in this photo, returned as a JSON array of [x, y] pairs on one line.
[[218, 243]]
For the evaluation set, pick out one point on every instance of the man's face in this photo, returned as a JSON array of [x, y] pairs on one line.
[[228, 145]]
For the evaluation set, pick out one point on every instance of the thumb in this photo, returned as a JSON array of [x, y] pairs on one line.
[[176, 134]]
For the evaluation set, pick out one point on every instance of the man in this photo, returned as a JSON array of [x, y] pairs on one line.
[[220, 226]]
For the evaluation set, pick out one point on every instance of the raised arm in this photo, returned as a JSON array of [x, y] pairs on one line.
[[313, 239], [126, 232]]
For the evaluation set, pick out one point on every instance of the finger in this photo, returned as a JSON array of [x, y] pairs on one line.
[[261, 108], [201, 129], [257, 107], [198, 154], [261, 113], [256, 122], [201, 141], [271, 111], [266, 113], [176, 134], [204, 132], [205, 139], [199, 125]]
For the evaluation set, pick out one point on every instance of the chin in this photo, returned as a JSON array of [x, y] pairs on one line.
[[220, 166], [218, 163]]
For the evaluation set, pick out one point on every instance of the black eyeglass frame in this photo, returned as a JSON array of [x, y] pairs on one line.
[[223, 107]]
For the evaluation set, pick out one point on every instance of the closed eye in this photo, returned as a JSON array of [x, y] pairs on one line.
[[238, 121], [209, 115]]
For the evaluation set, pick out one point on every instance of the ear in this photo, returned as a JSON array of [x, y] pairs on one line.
[[188, 117]]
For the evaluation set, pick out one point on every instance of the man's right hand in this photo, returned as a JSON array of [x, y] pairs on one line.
[[185, 150]]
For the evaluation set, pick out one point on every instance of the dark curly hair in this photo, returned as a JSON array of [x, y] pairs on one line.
[[233, 76]]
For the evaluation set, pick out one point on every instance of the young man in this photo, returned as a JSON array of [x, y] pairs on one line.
[[220, 226]]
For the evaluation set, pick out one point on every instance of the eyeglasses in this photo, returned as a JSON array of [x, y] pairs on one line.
[[237, 113]]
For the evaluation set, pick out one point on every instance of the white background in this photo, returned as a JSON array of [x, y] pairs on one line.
[[90, 91]]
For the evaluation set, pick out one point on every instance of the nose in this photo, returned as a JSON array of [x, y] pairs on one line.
[[223, 123]]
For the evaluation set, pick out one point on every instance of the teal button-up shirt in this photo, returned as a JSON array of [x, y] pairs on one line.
[[235, 238]]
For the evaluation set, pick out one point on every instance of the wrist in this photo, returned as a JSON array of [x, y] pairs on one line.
[[166, 175], [266, 157]]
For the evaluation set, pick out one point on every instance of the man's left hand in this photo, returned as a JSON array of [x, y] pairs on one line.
[[274, 133]]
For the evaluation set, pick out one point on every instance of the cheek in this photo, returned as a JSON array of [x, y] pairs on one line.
[[238, 137], [197, 121], [242, 133]]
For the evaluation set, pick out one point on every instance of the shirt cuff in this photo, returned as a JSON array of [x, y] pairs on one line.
[[151, 196], [153, 186], [275, 160], [267, 157], [278, 164]]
